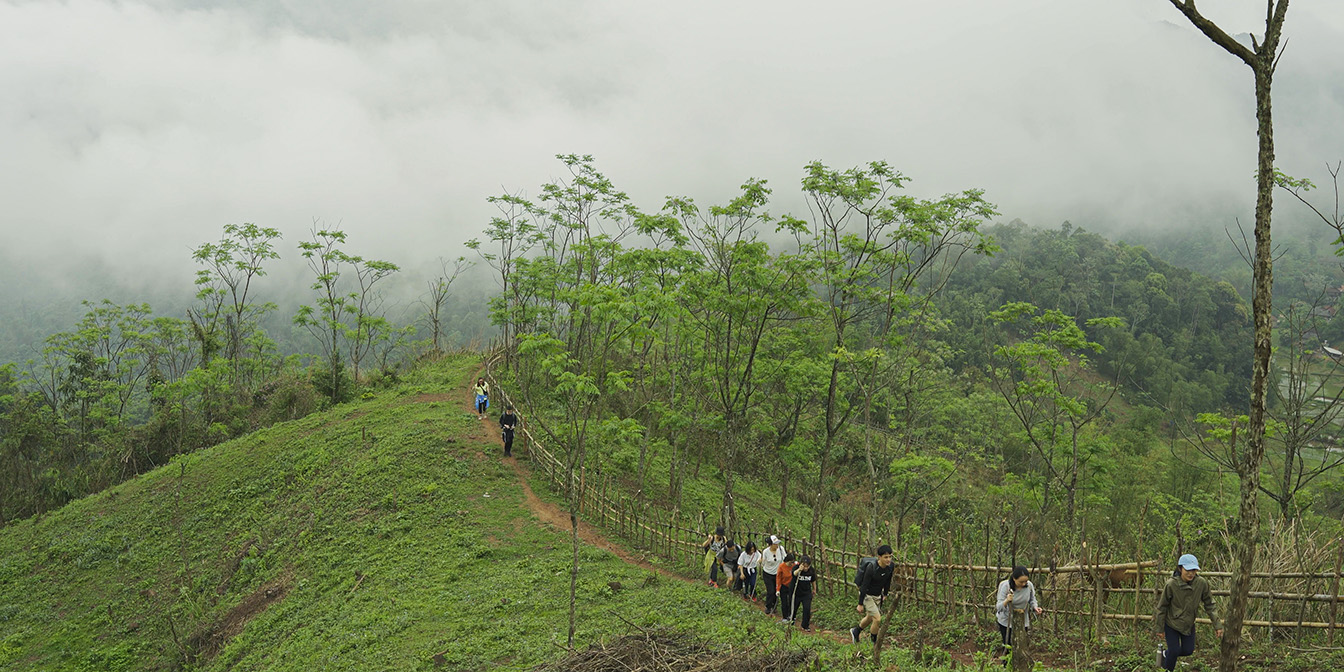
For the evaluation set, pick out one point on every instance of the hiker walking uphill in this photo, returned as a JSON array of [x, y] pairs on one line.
[[873, 580], [804, 579], [784, 579], [507, 422], [728, 563], [747, 564], [771, 556], [712, 545], [1177, 608], [1016, 593], [482, 390]]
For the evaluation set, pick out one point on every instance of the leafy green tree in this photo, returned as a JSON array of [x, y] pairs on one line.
[[326, 320], [740, 292], [345, 324], [227, 305], [1041, 377], [514, 231], [880, 255]]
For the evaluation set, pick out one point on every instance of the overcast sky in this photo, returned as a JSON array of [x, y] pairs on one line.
[[136, 130]]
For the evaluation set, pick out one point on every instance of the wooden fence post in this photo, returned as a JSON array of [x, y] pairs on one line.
[[1334, 591], [1021, 642]]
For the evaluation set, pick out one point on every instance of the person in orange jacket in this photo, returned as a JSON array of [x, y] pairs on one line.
[[785, 589]]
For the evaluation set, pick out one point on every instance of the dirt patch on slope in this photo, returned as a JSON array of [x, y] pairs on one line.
[[208, 642]]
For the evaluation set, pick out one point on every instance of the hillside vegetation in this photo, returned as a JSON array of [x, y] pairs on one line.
[[376, 535]]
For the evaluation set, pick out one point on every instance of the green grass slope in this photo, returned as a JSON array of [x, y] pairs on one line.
[[373, 536]]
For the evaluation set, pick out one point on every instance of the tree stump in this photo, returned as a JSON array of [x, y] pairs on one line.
[[1020, 651]]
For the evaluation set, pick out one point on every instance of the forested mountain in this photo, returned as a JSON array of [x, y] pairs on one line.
[[1186, 342]]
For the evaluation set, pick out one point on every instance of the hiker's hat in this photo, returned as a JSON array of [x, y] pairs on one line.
[[774, 539], [1188, 563]]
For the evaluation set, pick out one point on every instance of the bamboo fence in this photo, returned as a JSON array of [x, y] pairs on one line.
[[1094, 598]]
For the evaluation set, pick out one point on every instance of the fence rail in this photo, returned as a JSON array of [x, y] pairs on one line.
[[1072, 596]]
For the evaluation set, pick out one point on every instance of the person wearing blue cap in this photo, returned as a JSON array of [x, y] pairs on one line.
[[1177, 608]]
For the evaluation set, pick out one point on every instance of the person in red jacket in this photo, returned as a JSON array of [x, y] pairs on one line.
[[785, 588]]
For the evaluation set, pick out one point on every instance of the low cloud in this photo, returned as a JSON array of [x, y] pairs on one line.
[[135, 131]]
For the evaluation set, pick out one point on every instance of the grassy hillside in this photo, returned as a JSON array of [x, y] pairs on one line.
[[373, 536]]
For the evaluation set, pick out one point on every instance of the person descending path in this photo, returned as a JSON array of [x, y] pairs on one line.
[[482, 390], [804, 578], [873, 586], [507, 422]]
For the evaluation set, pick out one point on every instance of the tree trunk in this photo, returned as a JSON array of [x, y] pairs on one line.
[[832, 428], [1248, 515]]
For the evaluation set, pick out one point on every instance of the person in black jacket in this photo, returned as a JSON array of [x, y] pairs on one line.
[[507, 422], [804, 578], [876, 583]]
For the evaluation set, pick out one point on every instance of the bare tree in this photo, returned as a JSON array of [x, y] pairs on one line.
[[1307, 411], [1262, 57], [439, 291]]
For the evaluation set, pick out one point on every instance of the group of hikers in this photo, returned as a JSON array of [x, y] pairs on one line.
[[788, 581]]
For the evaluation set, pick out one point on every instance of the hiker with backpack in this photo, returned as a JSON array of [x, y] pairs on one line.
[[771, 557], [804, 579], [712, 545], [784, 591], [507, 421], [482, 390], [727, 559], [747, 564], [873, 578], [1176, 610], [1016, 593]]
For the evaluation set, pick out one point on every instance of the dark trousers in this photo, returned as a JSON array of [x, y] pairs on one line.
[[749, 584], [508, 442], [802, 609], [1177, 645], [769, 591], [786, 602]]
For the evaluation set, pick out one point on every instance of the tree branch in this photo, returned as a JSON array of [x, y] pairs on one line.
[[1218, 35]]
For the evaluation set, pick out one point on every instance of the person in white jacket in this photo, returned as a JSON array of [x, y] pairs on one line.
[[747, 564], [771, 556]]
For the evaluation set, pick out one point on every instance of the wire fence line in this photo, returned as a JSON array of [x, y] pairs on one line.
[[1089, 596]]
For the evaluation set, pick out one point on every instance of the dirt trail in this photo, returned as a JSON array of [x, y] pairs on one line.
[[559, 518]]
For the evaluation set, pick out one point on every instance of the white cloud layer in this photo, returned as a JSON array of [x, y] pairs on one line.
[[136, 130]]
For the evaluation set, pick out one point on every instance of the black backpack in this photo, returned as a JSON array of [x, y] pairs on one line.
[[861, 572]]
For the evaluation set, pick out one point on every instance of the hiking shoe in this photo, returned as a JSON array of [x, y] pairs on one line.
[[854, 634], [873, 636]]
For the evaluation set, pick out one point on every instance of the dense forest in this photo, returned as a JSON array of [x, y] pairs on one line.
[[97, 390], [883, 354]]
